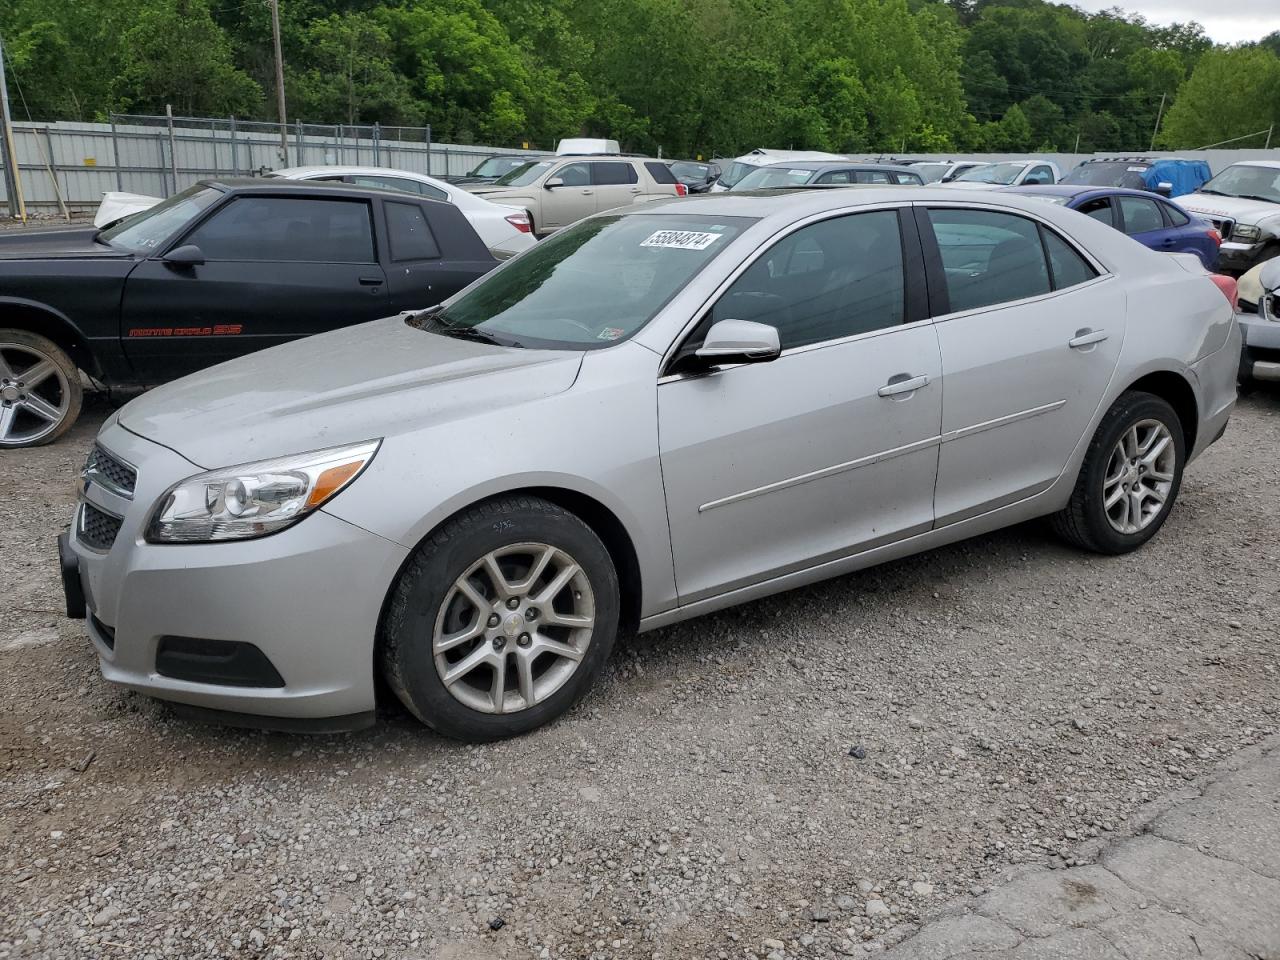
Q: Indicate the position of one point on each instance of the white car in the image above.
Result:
(1243, 202)
(504, 231)
(943, 171)
(1007, 173)
(735, 170)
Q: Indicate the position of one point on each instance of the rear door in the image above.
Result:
(431, 252)
(1140, 218)
(617, 184)
(276, 268)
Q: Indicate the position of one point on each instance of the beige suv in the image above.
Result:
(560, 191)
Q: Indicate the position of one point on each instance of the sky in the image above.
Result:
(1225, 21)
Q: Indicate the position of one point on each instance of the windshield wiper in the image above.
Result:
(432, 320)
(1254, 196)
(1216, 193)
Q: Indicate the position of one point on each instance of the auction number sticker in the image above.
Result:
(681, 240)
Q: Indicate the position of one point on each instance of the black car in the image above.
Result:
(219, 270)
(695, 174)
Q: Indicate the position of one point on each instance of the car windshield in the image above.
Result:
(735, 172)
(524, 174)
(1108, 175)
(1245, 180)
(931, 172)
(688, 170)
(762, 178)
(589, 286)
(144, 232)
(497, 166)
(1004, 173)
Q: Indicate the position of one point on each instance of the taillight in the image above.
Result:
(681, 190)
(1213, 234)
(1228, 287)
(521, 222)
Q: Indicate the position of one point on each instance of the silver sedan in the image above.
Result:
(654, 414)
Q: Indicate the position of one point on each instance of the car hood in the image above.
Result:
(373, 380)
(501, 194)
(1235, 208)
(63, 242)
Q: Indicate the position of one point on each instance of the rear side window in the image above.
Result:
(288, 229)
(989, 257)
(1140, 214)
(660, 172)
(611, 174)
(838, 176)
(411, 236)
(1176, 216)
(1067, 266)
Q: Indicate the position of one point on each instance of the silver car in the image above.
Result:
(655, 414)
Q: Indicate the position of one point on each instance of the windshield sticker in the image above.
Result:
(681, 240)
(610, 333)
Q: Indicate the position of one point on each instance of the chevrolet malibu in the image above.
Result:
(657, 413)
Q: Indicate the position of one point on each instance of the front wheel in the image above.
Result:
(40, 392)
(1130, 477)
(501, 620)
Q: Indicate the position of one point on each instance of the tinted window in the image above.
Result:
(144, 232)
(1140, 214)
(1176, 216)
(989, 257)
(827, 280)
(660, 172)
(610, 174)
(911, 179)
(838, 176)
(411, 237)
(870, 176)
(1069, 268)
(288, 228)
(1099, 209)
(575, 175)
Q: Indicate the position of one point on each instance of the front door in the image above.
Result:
(1030, 340)
(275, 269)
(830, 448)
(572, 200)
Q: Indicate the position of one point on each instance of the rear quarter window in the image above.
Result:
(660, 172)
(410, 234)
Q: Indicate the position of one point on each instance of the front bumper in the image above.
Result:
(1236, 256)
(309, 598)
(1260, 354)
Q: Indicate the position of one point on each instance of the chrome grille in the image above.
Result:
(110, 473)
(97, 528)
(1224, 226)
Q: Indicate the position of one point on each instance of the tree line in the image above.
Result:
(691, 77)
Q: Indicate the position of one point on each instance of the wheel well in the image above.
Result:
(22, 316)
(1174, 390)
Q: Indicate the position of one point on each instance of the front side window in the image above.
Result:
(575, 175)
(410, 234)
(1140, 215)
(870, 176)
(288, 229)
(145, 232)
(828, 280)
(989, 257)
(613, 174)
(590, 285)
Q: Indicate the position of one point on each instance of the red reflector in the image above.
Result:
(1228, 287)
(681, 190)
(521, 222)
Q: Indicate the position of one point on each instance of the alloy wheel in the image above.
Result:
(1139, 476)
(513, 628)
(35, 396)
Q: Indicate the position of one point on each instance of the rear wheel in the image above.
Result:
(40, 392)
(502, 619)
(1129, 479)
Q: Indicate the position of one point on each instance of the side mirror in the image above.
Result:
(553, 182)
(1164, 188)
(739, 341)
(187, 255)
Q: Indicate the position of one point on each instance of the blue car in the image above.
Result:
(1151, 220)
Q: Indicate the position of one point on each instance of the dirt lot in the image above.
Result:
(1005, 699)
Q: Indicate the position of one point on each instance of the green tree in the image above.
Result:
(1230, 94)
(349, 66)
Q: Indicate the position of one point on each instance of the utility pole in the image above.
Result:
(12, 176)
(284, 125)
(1159, 115)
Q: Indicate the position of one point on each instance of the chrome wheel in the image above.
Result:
(1139, 476)
(35, 397)
(513, 628)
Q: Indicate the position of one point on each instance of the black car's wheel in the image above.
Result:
(1130, 477)
(40, 392)
(503, 618)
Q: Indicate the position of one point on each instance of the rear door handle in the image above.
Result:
(371, 281)
(1086, 338)
(902, 383)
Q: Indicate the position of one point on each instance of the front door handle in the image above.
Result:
(586, 193)
(371, 281)
(902, 383)
(1087, 338)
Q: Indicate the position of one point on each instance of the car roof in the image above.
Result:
(825, 165)
(290, 173)
(1273, 164)
(1075, 189)
(278, 185)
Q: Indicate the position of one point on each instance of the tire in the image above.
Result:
(35, 413)
(1086, 521)
(519, 533)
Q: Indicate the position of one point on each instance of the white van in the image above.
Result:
(586, 146)
(735, 170)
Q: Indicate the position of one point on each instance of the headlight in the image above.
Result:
(1246, 233)
(255, 499)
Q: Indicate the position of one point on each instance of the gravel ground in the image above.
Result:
(803, 776)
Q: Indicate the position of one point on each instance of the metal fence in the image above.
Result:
(67, 166)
